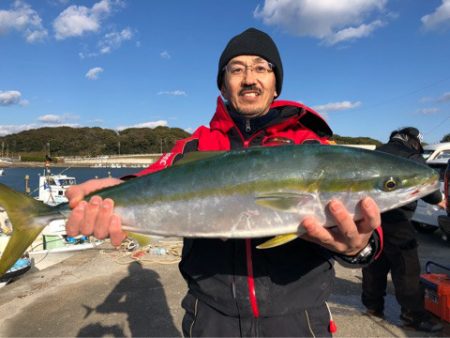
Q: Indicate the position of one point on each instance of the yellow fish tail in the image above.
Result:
(22, 210)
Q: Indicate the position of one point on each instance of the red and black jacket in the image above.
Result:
(296, 124)
(233, 276)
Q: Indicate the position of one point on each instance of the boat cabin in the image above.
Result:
(52, 188)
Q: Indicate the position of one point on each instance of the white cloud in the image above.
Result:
(93, 73)
(97, 121)
(114, 40)
(425, 99)
(152, 125)
(440, 17)
(11, 97)
(173, 93)
(50, 118)
(428, 111)
(445, 97)
(328, 20)
(352, 33)
(79, 20)
(54, 119)
(13, 129)
(35, 36)
(22, 18)
(165, 55)
(58, 2)
(337, 106)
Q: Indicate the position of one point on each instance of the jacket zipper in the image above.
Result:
(248, 241)
(250, 278)
(195, 318)
(248, 127)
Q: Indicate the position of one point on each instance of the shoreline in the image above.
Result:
(61, 165)
(110, 161)
(41, 165)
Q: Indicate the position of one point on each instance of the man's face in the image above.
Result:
(252, 91)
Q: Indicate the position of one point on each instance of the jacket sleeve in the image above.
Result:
(167, 159)
(433, 198)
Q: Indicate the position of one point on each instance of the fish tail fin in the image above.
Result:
(22, 211)
(277, 241)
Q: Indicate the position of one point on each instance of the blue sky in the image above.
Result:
(369, 66)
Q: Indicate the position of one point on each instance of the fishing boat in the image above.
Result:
(52, 187)
(21, 266)
(53, 245)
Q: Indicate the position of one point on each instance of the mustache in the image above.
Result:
(252, 88)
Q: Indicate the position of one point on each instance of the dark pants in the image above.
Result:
(402, 260)
(201, 320)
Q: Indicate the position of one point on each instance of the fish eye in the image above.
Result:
(390, 184)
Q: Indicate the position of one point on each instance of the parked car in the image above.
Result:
(444, 220)
(425, 218)
(437, 151)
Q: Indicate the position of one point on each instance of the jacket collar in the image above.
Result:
(304, 115)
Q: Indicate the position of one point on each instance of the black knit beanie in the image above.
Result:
(252, 42)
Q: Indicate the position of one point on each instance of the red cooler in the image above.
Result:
(437, 291)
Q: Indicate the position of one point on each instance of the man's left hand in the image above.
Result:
(347, 237)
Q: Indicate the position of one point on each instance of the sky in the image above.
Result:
(367, 66)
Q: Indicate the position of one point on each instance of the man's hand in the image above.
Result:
(95, 217)
(347, 237)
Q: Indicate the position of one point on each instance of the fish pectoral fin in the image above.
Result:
(284, 201)
(142, 239)
(277, 241)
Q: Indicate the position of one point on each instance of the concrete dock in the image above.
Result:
(104, 292)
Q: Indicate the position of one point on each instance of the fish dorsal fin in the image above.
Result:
(197, 156)
(283, 201)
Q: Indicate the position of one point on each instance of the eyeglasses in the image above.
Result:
(239, 69)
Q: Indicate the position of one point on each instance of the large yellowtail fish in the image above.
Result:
(256, 192)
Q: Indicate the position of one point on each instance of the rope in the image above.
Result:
(162, 252)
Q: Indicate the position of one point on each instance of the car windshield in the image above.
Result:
(427, 153)
(445, 154)
(68, 181)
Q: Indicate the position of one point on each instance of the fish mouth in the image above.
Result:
(422, 190)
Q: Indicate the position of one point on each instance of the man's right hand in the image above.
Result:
(95, 217)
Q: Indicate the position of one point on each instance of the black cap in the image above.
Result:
(252, 42)
(410, 135)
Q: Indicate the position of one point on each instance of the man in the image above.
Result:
(399, 255)
(234, 288)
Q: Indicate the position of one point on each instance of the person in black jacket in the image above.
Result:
(399, 255)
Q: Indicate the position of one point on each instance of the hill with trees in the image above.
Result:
(354, 140)
(35, 144)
